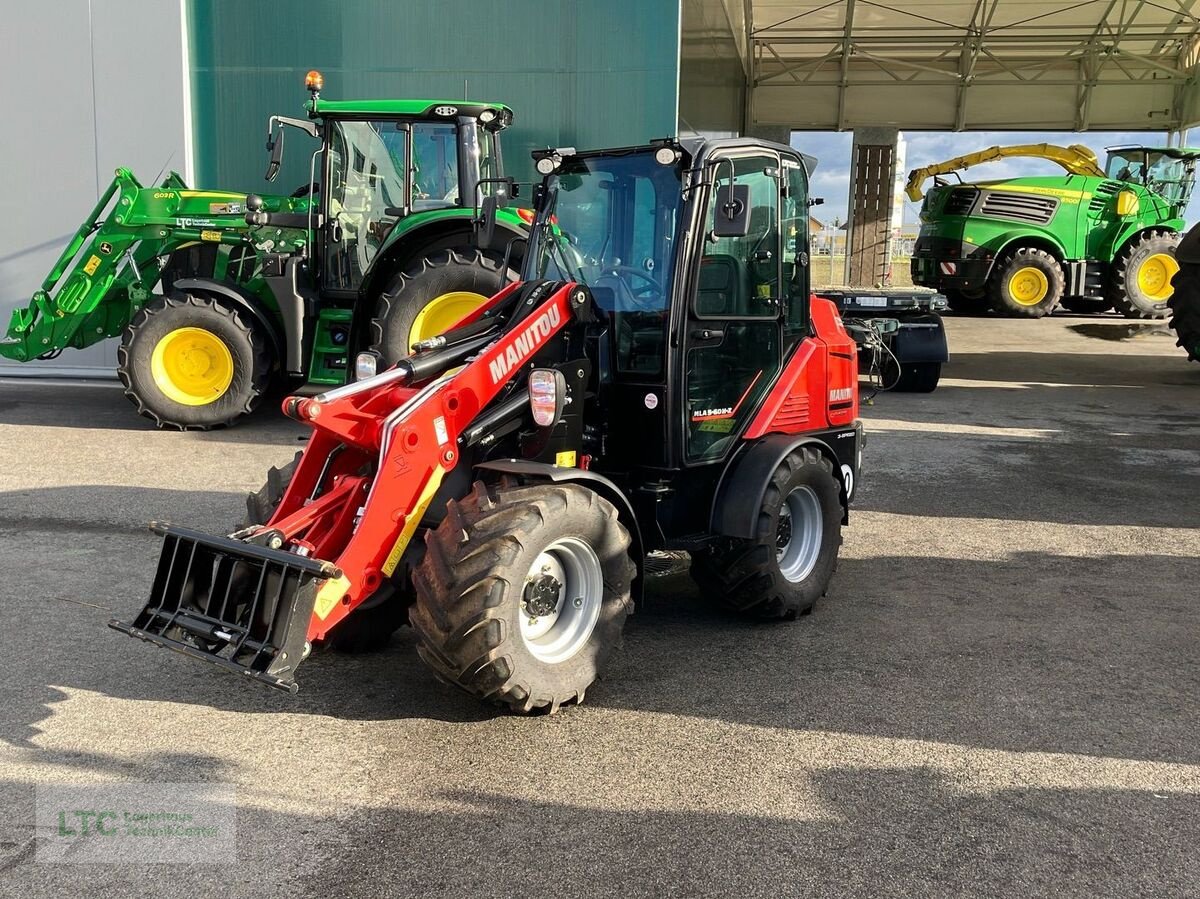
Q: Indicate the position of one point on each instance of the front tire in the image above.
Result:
(430, 297)
(1026, 283)
(787, 566)
(1140, 283)
(523, 593)
(192, 363)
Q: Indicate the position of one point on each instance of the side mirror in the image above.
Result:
(732, 217)
(275, 145)
(486, 223)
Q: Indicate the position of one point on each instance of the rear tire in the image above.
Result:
(371, 625)
(1026, 283)
(782, 572)
(488, 613)
(1185, 309)
(459, 279)
(1139, 285)
(192, 363)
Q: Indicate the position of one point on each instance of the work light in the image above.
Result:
(547, 392)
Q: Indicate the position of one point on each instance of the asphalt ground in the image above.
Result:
(997, 697)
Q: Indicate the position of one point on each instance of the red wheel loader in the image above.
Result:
(662, 379)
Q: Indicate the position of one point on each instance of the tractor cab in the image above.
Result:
(380, 161)
(1169, 172)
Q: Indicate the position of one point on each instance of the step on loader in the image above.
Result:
(661, 379)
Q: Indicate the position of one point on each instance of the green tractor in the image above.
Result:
(1091, 240)
(219, 297)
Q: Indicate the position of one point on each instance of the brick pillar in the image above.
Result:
(872, 179)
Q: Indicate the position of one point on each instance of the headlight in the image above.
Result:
(546, 165)
(488, 115)
(366, 365)
(547, 393)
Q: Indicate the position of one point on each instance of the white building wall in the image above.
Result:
(88, 85)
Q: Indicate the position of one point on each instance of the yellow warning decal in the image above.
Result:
(565, 459)
(410, 526)
(92, 265)
(330, 595)
(210, 235)
(1067, 196)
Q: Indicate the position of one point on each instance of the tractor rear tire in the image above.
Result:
(1139, 285)
(192, 363)
(1185, 309)
(523, 593)
(964, 302)
(441, 288)
(371, 625)
(780, 574)
(1026, 283)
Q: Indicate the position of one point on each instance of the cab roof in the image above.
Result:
(434, 109)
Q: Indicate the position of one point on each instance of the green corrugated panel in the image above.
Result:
(576, 72)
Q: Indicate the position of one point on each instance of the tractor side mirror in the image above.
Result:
(732, 218)
(485, 225)
(275, 146)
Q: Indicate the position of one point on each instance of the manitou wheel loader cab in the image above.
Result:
(661, 379)
(218, 296)
(1092, 239)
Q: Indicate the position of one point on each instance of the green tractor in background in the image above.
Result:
(219, 297)
(1091, 240)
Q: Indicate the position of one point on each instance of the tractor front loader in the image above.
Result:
(134, 237)
(662, 379)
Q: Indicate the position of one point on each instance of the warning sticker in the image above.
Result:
(330, 595)
(439, 428)
(92, 265)
(210, 235)
(565, 459)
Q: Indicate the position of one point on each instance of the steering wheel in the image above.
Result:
(656, 290)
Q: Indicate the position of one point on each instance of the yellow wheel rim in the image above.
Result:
(1154, 276)
(443, 313)
(192, 366)
(1028, 286)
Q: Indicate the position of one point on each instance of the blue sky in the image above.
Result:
(832, 149)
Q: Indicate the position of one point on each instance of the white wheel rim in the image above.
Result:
(558, 635)
(798, 534)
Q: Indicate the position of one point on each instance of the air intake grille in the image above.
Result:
(960, 201)
(1104, 192)
(1036, 210)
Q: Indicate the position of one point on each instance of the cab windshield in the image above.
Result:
(1165, 174)
(609, 222)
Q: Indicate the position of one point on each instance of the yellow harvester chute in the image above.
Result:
(1076, 159)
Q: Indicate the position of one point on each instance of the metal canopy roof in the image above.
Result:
(975, 65)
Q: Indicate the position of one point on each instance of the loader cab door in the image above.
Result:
(734, 332)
